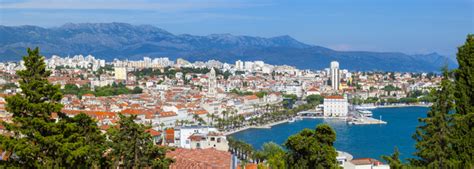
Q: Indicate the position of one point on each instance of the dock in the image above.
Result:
(365, 120)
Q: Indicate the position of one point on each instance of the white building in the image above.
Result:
(335, 76)
(335, 106)
(239, 65)
(120, 73)
(182, 134)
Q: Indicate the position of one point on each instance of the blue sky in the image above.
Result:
(409, 26)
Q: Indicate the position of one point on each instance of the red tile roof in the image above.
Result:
(153, 132)
(366, 161)
(200, 158)
(167, 114)
(200, 112)
(334, 97)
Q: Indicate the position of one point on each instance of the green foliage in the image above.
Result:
(314, 99)
(109, 90)
(261, 94)
(105, 69)
(394, 160)
(241, 93)
(36, 139)
(434, 148)
(446, 137)
(78, 91)
(274, 154)
(84, 137)
(371, 100)
(115, 89)
(293, 97)
(132, 147)
(464, 98)
(242, 150)
(390, 88)
(312, 148)
(408, 100)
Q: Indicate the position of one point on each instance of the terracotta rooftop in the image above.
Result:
(334, 97)
(153, 132)
(200, 159)
(365, 161)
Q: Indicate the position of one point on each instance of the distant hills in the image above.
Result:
(121, 40)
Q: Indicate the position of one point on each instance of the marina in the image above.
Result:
(353, 139)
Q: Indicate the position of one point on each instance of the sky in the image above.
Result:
(409, 26)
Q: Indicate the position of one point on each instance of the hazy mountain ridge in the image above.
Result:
(121, 40)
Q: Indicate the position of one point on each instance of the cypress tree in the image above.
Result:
(464, 118)
(434, 143)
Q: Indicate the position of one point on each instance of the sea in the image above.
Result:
(362, 141)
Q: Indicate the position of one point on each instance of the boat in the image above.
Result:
(291, 120)
(298, 118)
(364, 107)
(365, 113)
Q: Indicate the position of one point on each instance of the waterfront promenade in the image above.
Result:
(265, 126)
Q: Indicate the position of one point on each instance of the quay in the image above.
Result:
(365, 120)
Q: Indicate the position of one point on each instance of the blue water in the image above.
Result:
(359, 140)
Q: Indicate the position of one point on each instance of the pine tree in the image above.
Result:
(394, 160)
(84, 139)
(464, 118)
(36, 139)
(132, 147)
(433, 139)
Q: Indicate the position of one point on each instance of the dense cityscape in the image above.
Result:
(178, 98)
(237, 84)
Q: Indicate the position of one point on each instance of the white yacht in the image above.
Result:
(365, 107)
(365, 113)
(291, 120)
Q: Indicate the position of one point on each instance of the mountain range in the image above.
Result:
(126, 41)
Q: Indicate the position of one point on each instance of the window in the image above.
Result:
(213, 139)
(218, 140)
(198, 145)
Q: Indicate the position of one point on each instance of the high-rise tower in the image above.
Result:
(335, 77)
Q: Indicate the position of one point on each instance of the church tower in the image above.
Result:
(212, 83)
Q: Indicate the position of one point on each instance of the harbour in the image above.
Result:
(354, 139)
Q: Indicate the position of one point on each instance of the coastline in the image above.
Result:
(265, 126)
(403, 105)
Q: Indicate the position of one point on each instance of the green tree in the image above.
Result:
(261, 94)
(274, 155)
(35, 138)
(314, 99)
(312, 148)
(82, 133)
(433, 142)
(464, 98)
(394, 160)
(132, 147)
(137, 90)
